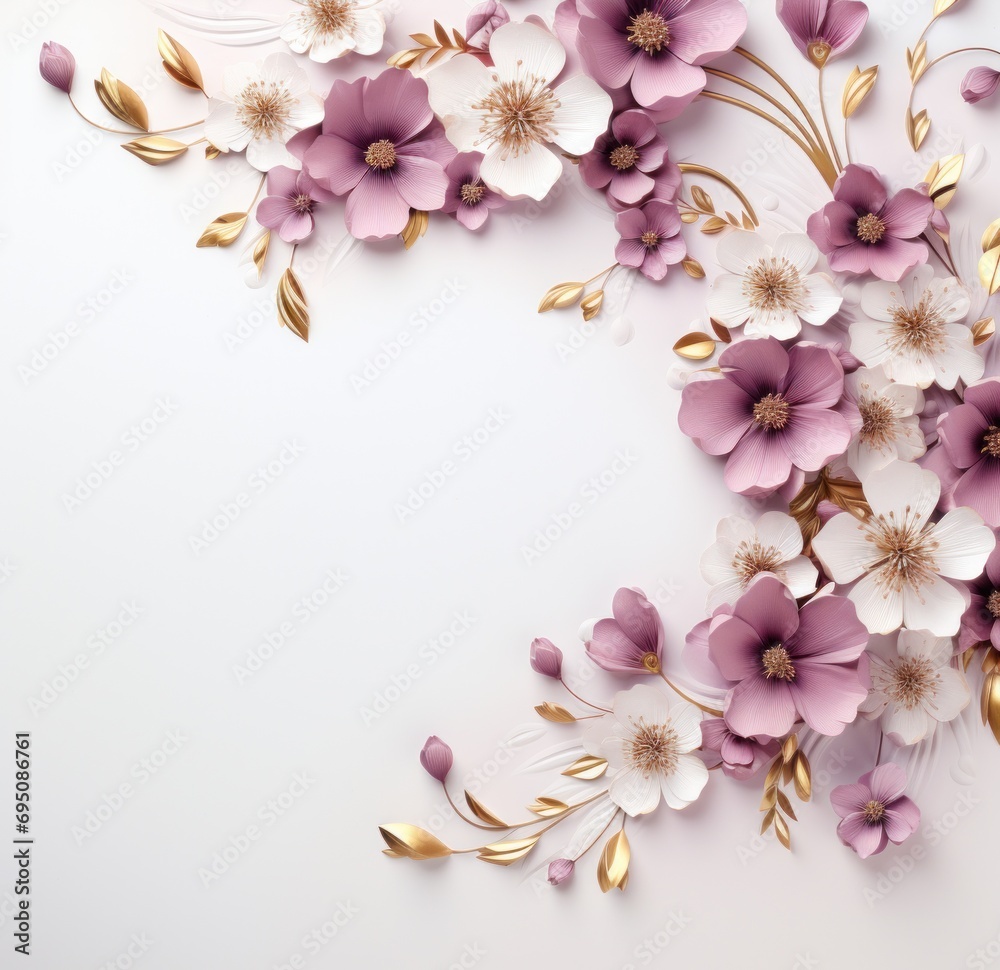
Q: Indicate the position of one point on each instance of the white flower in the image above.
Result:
(261, 107)
(328, 29)
(905, 560)
(742, 550)
(913, 685)
(510, 113)
(890, 422)
(771, 289)
(648, 745)
(918, 338)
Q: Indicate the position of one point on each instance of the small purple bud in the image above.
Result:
(546, 658)
(483, 19)
(560, 871)
(980, 83)
(436, 757)
(57, 65)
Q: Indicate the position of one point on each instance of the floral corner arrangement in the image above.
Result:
(844, 377)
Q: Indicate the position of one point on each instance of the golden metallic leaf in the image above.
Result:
(612, 867)
(695, 346)
(983, 330)
(442, 35)
(393, 854)
(292, 307)
(786, 771)
(843, 493)
(770, 797)
(548, 807)
(786, 805)
(702, 199)
(212, 152)
(768, 821)
(722, 332)
(781, 828)
(943, 177)
(415, 228)
(693, 268)
(507, 852)
(802, 776)
(155, 149)
(941, 6)
(991, 703)
(990, 659)
(790, 746)
(916, 61)
(404, 59)
(774, 772)
(917, 126)
(587, 768)
(122, 101)
(591, 304)
(858, 86)
(260, 252)
(560, 296)
(178, 62)
(991, 236)
(969, 656)
(748, 223)
(413, 842)
(460, 42)
(688, 216)
(989, 270)
(223, 231)
(554, 712)
(483, 813)
(425, 40)
(713, 225)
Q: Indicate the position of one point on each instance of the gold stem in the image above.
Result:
(690, 700)
(603, 272)
(253, 202)
(938, 60)
(947, 260)
(693, 169)
(464, 817)
(137, 132)
(582, 700)
(826, 124)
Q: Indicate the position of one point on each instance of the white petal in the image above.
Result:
(735, 529)
(727, 302)
(582, 115)
(822, 299)
(782, 532)
(237, 76)
(634, 792)
(454, 87)
(936, 606)
(685, 783)
(685, 719)
(267, 153)
(738, 251)
(870, 343)
(798, 249)
(717, 562)
(520, 49)
(800, 575)
(964, 544)
(907, 726)
(951, 696)
(902, 484)
(531, 174)
(952, 299)
(878, 297)
(959, 359)
(863, 459)
(879, 608)
(781, 326)
(224, 129)
(843, 548)
(724, 594)
(641, 702)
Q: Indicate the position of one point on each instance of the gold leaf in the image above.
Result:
(178, 62)
(591, 304)
(459, 38)
(858, 86)
(702, 199)
(969, 656)
(588, 768)
(786, 771)
(941, 6)
(695, 346)
(713, 225)
(212, 152)
(693, 268)
(991, 703)
(983, 330)
(786, 806)
(554, 712)
(413, 842)
(223, 231)
(781, 828)
(790, 747)
(405, 59)
(688, 216)
(155, 149)
(260, 252)
(612, 868)
(483, 813)
(991, 236)
(548, 807)
(768, 820)
(802, 775)
(122, 101)
(916, 61)
(770, 797)
(748, 223)
(415, 228)
(722, 332)
(507, 852)
(917, 126)
(292, 307)
(774, 773)
(442, 35)
(942, 179)
(425, 40)
(989, 270)
(990, 659)
(560, 296)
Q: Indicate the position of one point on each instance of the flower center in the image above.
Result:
(907, 551)
(773, 285)
(517, 114)
(919, 329)
(878, 421)
(652, 748)
(651, 662)
(381, 154)
(330, 17)
(991, 442)
(874, 812)
(819, 51)
(912, 681)
(993, 603)
(870, 229)
(302, 204)
(472, 192)
(649, 31)
(650, 239)
(777, 663)
(752, 558)
(265, 108)
(772, 412)
(624, 157)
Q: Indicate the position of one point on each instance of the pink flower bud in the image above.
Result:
(57, 65)
(980, 83)
(483, 19)
(546, 658)
(436, 757)
(560, 871)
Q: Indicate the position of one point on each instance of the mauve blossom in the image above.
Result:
(874, 811)
(468, 198)
(657, 47)
(970, 434)
(771, 410)
(57, 65)
(981, 621)
(483, 19)
(632, 641)
(980, 83)
(740, 757)
(560, 870)
(436, 757)
(624, 159)
(822, 29)
(382, 147)
(864, 230)
(787, 663)
(291, 199)
(650, 238)
(546, 658)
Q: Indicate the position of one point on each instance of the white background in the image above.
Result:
(703, 891)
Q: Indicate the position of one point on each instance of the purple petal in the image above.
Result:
(609, 56)
(802, 19)
(769, 607)
(375, 210)
(985, 395)
(829, 631)
(758, 465)
(707, 28)
(961, 432)
(336, 162)
(757, 366)
(298, 226)
(815, 377)
(843, 25)
(631, 187)
(847, 799)
(860, 835)
(979, 488)
(902, 820)
(734, 646)
(813, 437)
(421, 182)
(282, 181)
(887, 782)
(860, 186)
(980, 83)
(396, 106)
(630, 252)
(665, 78)
(907, 213)
(826, 695)
(893, 257)
(716, 413)
(345, 112)
(760, 706)
(274, 210)
(639, 619)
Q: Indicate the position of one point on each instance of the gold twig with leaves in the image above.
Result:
(790, 765)
(430, 49)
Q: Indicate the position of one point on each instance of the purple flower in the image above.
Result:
(632, 642)
(875, 811)
(970, 434)
(560, 870)
(291, 199)
(546, 658)
(657, 47)
(788, 663)
(57, 65)
(468, 199)
(771, 411)
(740, 757)
(865, 231)
(436, 757)
(981, 622)
(650, 238)
(625, 158)
(483, 19)
(382, 147)
(980, 83)
(823, 28)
